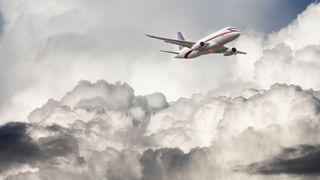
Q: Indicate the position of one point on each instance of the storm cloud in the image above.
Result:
(19, 150)
(303, 160)
(103, 131)
(16, 146)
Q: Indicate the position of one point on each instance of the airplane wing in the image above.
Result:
(240, 52)
(174, 41)
(169, 52)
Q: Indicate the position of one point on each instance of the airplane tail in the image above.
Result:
(180, 37)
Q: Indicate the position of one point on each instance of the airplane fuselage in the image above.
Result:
(216, 42)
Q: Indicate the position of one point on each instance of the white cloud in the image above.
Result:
(90, 134)
(105, 130)
(48, 46)
(288, 56)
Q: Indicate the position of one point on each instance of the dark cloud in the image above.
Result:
(59, 145)
(303, 160)
(203, 137)
(16, 146)
(173, 163)
(160, 163)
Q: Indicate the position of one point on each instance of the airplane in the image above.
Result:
(214, 43)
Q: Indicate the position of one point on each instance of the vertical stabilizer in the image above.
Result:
(181, 38)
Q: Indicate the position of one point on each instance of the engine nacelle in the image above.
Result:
(230, 51)
(199, 45)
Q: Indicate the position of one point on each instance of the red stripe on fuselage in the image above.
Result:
(231, 31)
(187, 54)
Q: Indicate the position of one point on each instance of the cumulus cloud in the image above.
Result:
(21, 153)
(288, 56)
(16, 145)
(255, 126)
(103, 131)
(48, 46)
(296, 160)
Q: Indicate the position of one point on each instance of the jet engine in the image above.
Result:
(230, 51)
(199, 45)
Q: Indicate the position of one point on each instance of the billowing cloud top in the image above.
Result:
(103, 131)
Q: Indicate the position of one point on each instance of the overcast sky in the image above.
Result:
(48, 46)
(257, 117)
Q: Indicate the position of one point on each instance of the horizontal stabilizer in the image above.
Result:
(169, 52)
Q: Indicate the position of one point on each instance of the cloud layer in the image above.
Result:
(288, 56)
(103, 131)
(255, 126)
(48, 46)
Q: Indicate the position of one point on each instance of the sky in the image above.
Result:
(84, 94)
(49, 46)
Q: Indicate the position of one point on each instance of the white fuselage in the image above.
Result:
(215, 41)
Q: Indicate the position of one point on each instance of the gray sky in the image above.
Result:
(48, 46)
(260, 119)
